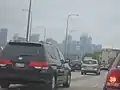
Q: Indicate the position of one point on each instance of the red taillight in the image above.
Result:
(113, 78)
(4, 62)
(38, 64)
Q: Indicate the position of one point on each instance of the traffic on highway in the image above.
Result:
(59, 45)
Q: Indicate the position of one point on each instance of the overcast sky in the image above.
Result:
(99, 18)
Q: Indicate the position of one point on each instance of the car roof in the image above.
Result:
(91, 59)
(30, 43)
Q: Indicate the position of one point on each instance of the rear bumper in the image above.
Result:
(90, 71)
(25, 76)
(110, 88)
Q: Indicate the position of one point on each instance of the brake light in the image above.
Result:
(4, 62)
(38, 64)
(113, 78)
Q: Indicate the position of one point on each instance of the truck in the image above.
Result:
(108, 57)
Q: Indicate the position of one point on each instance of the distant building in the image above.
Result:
(34, 37)
(96, 48)
(21, 39)
(109, 53)
(3, 36)
(16, 37)
(85, 44)
(52, 41)
(75, 47)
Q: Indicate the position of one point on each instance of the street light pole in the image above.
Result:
(28, 24)
(66, 37)
(44, 34)
(67, 28)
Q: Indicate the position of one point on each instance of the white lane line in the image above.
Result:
(96, 85)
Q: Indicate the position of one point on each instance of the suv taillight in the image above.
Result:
(113, 78)
(4, 62)
(38, 64)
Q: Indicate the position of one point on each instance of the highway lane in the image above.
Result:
(79, 82)
(90, 82)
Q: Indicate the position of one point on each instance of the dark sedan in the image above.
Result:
(75, 65)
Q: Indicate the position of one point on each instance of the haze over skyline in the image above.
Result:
(99, 18)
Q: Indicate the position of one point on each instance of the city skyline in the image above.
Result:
(98, 19)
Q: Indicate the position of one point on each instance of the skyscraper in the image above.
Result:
(3, 36)
(85, 44)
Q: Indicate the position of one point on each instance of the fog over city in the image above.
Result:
(99, 18)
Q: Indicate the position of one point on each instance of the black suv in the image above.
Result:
(36, 63)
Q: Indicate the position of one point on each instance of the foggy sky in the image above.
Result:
(99, 18)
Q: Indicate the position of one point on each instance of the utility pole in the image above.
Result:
(66, 37)
(28, 24)
(44, 34)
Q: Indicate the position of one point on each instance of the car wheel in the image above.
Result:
(68, 81)
(5, 85)
(53, 84)
(97, 73)
(82, 73)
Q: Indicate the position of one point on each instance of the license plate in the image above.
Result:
(20, 65)
(89, 68)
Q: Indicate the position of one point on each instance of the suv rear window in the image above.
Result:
(13, 50)
(90, 62)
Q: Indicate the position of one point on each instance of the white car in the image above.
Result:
(90, 66)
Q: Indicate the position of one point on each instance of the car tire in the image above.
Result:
(82, 73)
(68, 81)
(54, 83)
(97, 73)
(5, 85)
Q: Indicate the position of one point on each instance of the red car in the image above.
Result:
(113, 77)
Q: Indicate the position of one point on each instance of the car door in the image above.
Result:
(61, 66)
(65, 66)
(54, 61)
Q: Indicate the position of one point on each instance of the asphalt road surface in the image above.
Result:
(79, 82)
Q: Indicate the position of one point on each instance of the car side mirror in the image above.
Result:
(62, 61)
(67, 61)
